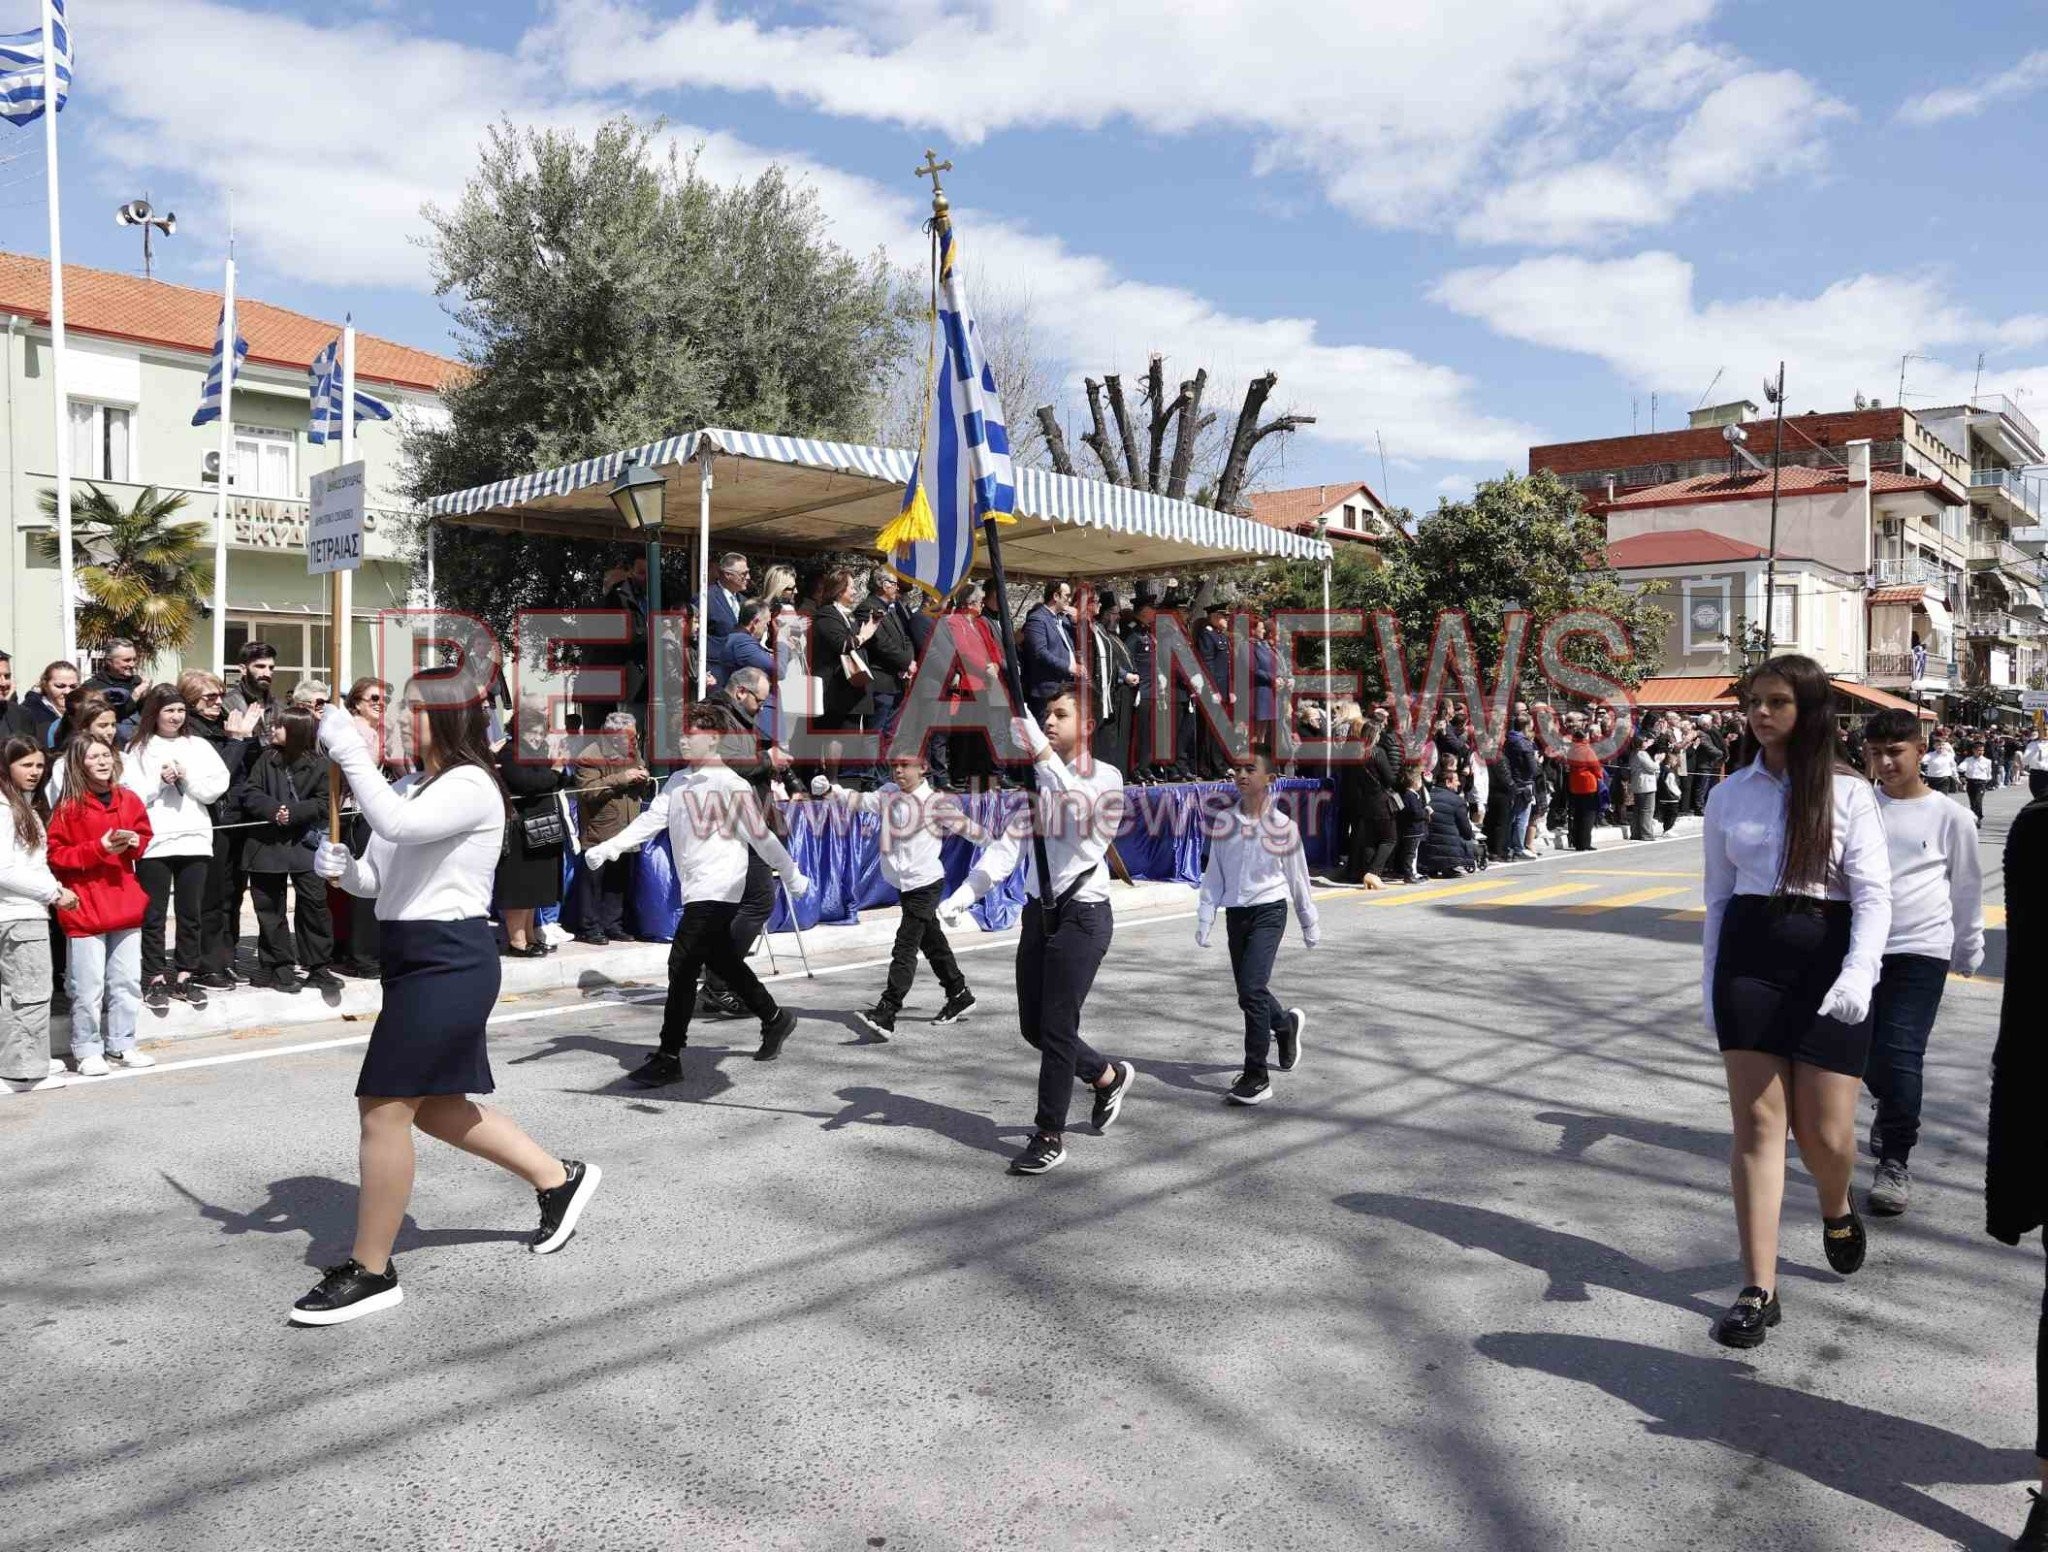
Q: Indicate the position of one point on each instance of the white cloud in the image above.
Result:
(1961, 102)
(1641, 316)
(333, 197)
(1408, 116)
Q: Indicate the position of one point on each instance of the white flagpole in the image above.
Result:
(344, 624)
(227, 467)
(66, 582)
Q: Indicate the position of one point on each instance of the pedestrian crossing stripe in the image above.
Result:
(1631, 873)
(1413, 896)
(1531, 896)
(1692, 913)
(1621, 902)
(1994, 916)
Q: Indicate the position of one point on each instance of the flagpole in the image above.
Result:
(227, 465)
(341, 645)
(66, 580)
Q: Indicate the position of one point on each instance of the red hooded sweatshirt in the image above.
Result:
(110, 897)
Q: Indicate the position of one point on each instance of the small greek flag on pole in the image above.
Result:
(963, 469)
(21, 68)
(209, 396)
(325, 377)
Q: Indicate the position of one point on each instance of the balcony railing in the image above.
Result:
(1994, 627)
(1899, 665)
(2017, 488)
(1998, 552)
(1999, 404)
(1907, 571)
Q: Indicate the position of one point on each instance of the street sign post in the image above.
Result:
(334, 547)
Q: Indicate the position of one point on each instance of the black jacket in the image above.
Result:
(301, 789)
(840, 700)
(17, 721)
(235, 754)
(123, 693)
(2016, 1158)
(889, 651)
(1449, 846)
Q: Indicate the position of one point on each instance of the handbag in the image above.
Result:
(546, 827)
(855, 668)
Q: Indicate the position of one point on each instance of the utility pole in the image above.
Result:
(1776, 394)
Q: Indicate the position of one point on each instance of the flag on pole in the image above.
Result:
(326, 390)
(209, 396)
(963, 471)
(21, 69)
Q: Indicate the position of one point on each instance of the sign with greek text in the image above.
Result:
(334, 520)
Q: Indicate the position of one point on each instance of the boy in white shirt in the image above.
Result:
(916, 818)
(1977, 774)
(712, 817)
(1256, 867)
(1937, 924)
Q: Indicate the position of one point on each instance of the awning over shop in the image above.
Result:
(797, 493)
(1877, 700)
(1939, 617)
(1703, 692)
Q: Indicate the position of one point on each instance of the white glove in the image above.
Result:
(954, 906)
(1201, 934)
(797, 885)
(1970, 963)
(597, 856)
(820, 786)
(1848, 1003)
(1029, 735)
(339, 735)
(331, 860)
(1311, 939)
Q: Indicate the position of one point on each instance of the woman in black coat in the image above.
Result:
(2016, 1162)
(1366, 804)
(530, 873)
(1450, 847)
(284, 794)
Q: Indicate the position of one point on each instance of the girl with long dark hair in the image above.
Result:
(28, 890)
(177, 775)
(429, 866)
(1798, 890)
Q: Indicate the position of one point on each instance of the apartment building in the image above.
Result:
(137, 353)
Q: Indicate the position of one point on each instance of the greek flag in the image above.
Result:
(325, 377)
(963, 471)
(209, 396)
(21, 69)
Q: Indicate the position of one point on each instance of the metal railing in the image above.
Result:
(1907, 571)
(1899, 665)
(1998, 552)
(2021, 491)
(2000, 627)
(1999, 404)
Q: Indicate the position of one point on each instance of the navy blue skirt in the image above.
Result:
(1778, 956)
(440, 984)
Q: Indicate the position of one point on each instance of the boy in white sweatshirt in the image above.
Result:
(1256, 868)
(1937, 925)
(712, 818)
(915, 820)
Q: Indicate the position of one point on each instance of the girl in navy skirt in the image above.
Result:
(1798, 887)
(430, 863)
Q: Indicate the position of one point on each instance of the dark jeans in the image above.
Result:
(704, 941)
(756, 905)
(313, 941)
(1976, 791)
(1254, 933)
(1054, 973)
(1406, 849)
(160, 877)
(1584, 807)
(601, 898)
(918, 931)
(1908, 996)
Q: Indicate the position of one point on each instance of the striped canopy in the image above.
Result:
(799, 493)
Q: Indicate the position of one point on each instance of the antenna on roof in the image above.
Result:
(1710, 388)
(1386, 490)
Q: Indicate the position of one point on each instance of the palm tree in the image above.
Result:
(143, 576)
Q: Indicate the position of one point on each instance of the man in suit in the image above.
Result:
(1112, 680)
(745, 645)
(889, 651)
(728, 592)
(1212, 650)
(1046, 646)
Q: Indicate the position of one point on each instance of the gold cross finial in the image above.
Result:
(933, 167)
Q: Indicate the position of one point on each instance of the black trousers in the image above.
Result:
(312, 941)
(1055, 971)
(704, 940)
(161, 876)
(601, 898)
(237, 886)
(365, 940)
(1976, 791)
(919, 932)
(756, 905)
(220, 924)
(1584, 807)
(1254, 933)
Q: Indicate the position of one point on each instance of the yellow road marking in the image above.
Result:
(1994, 916)
(1694, 913)
(1636, 897)
(1630, 873)
(1531, 896)
(1412, 895)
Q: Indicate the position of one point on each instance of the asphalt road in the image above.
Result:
(1451, 1288)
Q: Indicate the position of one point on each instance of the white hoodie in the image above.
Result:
(179, 823)
(27, 887)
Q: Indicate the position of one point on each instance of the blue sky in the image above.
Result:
(1453, 228)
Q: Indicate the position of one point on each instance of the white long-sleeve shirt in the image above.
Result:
(1937, 879)
(179, 824)
(1745, 850)
(914, 829)
(1079, 816)
(27, 887)
(1976, 767)
(712, 817)
(1938, 764)
(434, 848)
(2035, 756)
(1255, 861)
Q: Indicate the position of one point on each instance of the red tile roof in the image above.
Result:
(155, 312)
(1751, 485)
(1897, 595)
(1687, 691)
(1298, 509)
(1680, 547)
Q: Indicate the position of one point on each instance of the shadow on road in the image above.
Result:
(1578, 1134)
(882, 1107)
(324, 1210)
(1721, 1401)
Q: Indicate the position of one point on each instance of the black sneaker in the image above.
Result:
(1040, 1154)
(660, 1068)
(561, 1207)
(1289, 1040)
(2035, 1537)
(157, 997)
(957, 1007)
(773, 1033)
(190, 989)
(1748, 1319)
(347, 1292)
(214, 981)
(323, 979)
(1109, 1102)
(285, 980)
(879, 1021)
(1842, 1239)
(1250, 1089)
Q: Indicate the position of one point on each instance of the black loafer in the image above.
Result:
(1749, 1318)
(2035, 1537)
(1843, 1240)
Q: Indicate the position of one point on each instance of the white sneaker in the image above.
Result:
(93, 1067)
(57, 1067)
(31, 1085)
(135, 1058)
